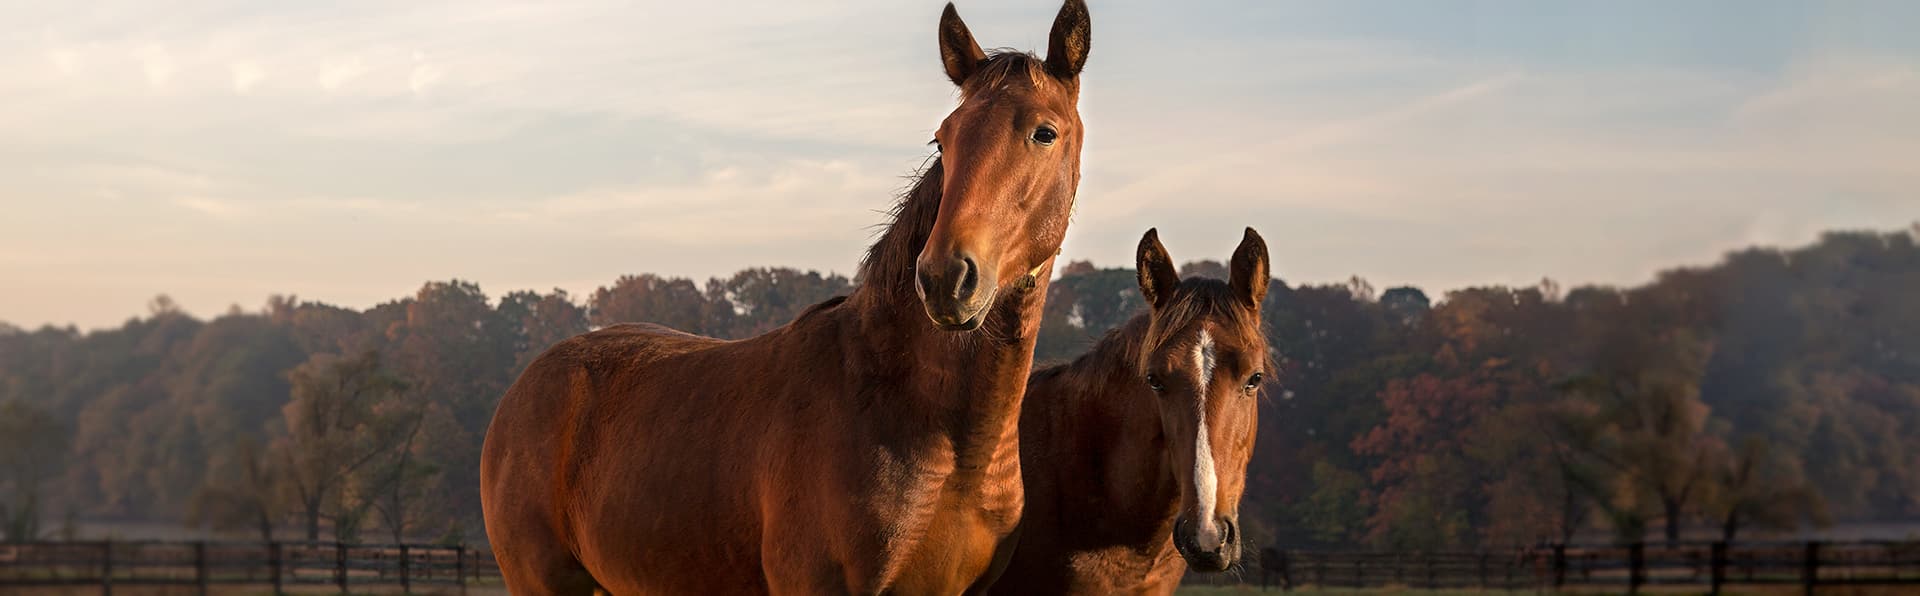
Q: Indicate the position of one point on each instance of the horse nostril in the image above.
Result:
(1227, 531)
(925, 279)
(969, 278)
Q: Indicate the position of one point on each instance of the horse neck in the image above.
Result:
(967, 383)
(1105, 385)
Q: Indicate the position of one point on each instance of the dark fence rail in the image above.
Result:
(279, 564)
(1615, 567)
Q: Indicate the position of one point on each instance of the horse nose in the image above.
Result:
(950, 287)
(1207, 557)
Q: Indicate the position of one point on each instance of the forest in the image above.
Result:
(1773, 391)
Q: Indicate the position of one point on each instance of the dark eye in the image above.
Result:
(1253, 382)
(1045, 135)
(1153, 381)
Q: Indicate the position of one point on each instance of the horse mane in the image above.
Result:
(1197, 298)
(1123, 347)
(888, 265)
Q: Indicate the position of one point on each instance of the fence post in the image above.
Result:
(1559, 566)
(1529, 561)
(340, 565)
(1637, 559)
(200, 566)
(1483, 570)
(1430, 579)
(460, 567)
(406, 581)
(106, 568)
(1286, 570)
(1810, 570)
(274, 558)
(1719, 564)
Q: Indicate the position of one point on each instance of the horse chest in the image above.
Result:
(944, 523)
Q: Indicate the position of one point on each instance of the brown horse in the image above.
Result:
(860, 448)
(1138, 450)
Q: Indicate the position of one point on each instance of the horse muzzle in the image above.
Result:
(1205, 557)
(955, 290)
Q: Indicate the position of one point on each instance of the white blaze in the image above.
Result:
(1205, 483)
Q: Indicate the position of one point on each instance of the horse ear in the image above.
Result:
(1157, 275)
(1072, 36)
(958, 51)
(1249, 269)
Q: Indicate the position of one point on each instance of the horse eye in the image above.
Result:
(1154, 382)
(1253, 381)
(1045, 135)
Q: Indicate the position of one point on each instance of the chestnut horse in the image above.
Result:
(870, 445)
(1138, 450)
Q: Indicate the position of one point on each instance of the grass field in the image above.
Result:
(1253, 590)
(1186, 591)
(1663, 591)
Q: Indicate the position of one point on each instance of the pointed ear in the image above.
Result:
(958, 51)
(1157, 275)
(1249, 269)
(1072, 36)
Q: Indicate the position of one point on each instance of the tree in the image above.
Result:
(396, 486)
(647, 298)
(1424, 484)
(1082, 305)
(334, 427)
(1407, 303)
(245, 491)
(1207, 268)
(1654, 427)
(1757, 486)
(33, 447)
(456, 350)
(757, 300)
(544, 320)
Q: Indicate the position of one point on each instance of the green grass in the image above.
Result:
(1652, 591)
(1315, 591)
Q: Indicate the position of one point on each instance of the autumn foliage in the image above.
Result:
(1774, 390)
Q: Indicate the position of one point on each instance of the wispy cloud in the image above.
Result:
(542, 144)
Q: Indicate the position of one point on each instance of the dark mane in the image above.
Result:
(888, 266)
(1001, 65)
(1195, 298)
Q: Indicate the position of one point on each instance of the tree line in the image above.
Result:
(1774, 390)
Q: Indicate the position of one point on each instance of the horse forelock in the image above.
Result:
(1193, 300)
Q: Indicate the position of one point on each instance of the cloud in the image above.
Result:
(216, 208)
(425, 75)
(535, 143)
(337, 73)
(156, 63)
(246, 75)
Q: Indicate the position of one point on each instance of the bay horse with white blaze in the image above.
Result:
(861, 448)
(1135, 454)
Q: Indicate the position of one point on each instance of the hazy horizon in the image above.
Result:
(221, 153)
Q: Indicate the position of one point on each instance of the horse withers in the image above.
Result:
(1135, 454)
(868, 446)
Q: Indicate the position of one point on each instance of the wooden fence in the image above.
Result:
(279, 564)
(1612, 568)
(1625, 567)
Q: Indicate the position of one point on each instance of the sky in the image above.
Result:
(347, 152)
